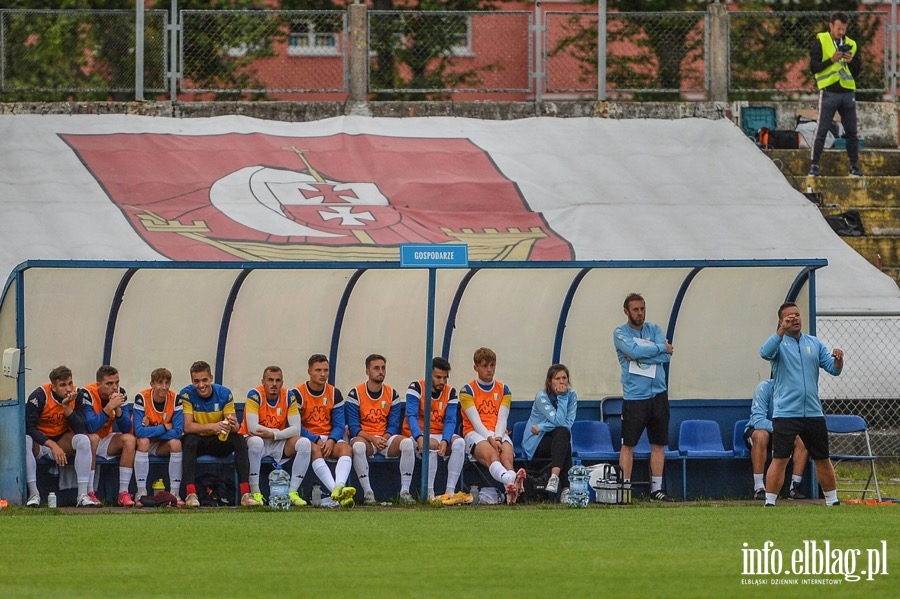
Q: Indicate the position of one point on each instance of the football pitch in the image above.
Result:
(645, 550)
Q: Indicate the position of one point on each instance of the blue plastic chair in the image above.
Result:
(739, 448)
(642, 449)
(852, 426)
(517, 435)
(591, 440)
(699, 439)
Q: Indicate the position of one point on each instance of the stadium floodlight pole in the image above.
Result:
(139, 51)
(601, 50)
(426, 392)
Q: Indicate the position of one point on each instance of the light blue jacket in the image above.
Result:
(546, 418)
(635, 386)
(795, 368)
(761, 408)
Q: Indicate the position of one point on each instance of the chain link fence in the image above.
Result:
(869, 385)
(435, 53)
(769, 51)
(263, 51)
(647, 52)
(450, 52)
(73, 51)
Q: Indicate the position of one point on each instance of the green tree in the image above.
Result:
(413, 48)
(88, 54)
(764, 50)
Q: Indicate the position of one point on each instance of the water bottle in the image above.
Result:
(51, 500)
(159, 486)
(473, 491)
(626, 492)
(578, 485)
(279, 483)
(317, 496)
(615, 491)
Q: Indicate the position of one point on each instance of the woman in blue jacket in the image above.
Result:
(548, 433)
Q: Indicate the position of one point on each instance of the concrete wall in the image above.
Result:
(878, 121)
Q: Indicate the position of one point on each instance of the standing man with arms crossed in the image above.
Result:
(375, 415)
(443, 441)
(208, 413)
(796, 358)
(643, 350)
(102, 409)
(485, 405)
(272, 428)
(322, 416)
(54, 426)
(834, 60)
(158, 426)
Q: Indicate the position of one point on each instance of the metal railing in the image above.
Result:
(431, 54)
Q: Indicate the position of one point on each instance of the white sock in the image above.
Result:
(831, 497)
(30, 466)
(124, 478)
(497, 471)
(254, 454)
(301, 463)
(407, 463)
(771, 497)
(342, 470)
(175, 462)
(758, 481)
(655, 484)
(361, 465)
(455, 464)
(321, 469)
(141, 471)
(432, 470)
(91, 487)
(796, 479)
(82, 446)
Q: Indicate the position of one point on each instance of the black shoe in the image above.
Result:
(838, 502)
(855, 171)
(795, 492)
(661, 496)
(767, 504)
(760, 494)
(814, 170)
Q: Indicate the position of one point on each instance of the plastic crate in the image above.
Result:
(754, 118)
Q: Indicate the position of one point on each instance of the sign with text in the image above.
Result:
(450, 255)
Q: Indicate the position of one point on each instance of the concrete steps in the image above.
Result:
(876, 196)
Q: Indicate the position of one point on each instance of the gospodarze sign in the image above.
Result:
(434, 255)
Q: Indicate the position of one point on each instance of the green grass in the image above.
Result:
(526, 551)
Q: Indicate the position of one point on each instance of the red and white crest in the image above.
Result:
(340, 197)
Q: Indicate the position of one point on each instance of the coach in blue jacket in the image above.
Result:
(796, 358)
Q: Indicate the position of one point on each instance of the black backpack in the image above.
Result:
(215, 491)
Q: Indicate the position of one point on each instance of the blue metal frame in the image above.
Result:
(339, 322)
(807, 274)
(226, 323)
(114, 314)
(454, 310)
(564, 313)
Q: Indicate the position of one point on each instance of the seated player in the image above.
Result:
(158, 426)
